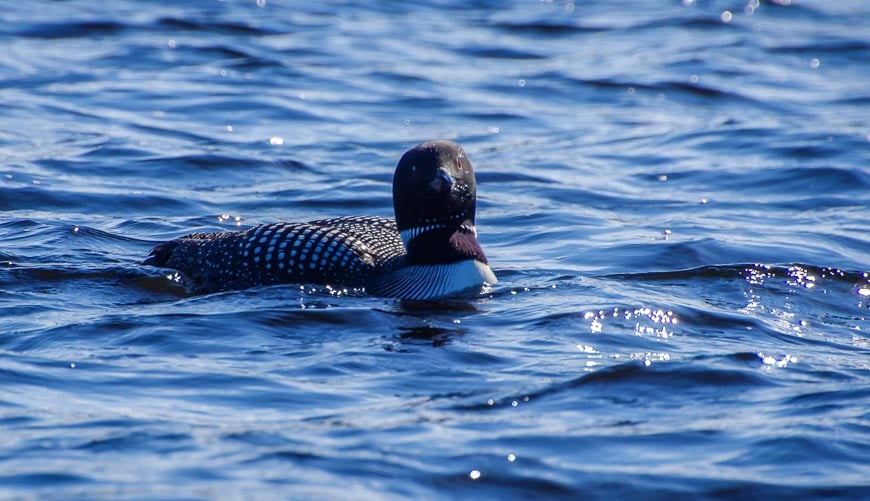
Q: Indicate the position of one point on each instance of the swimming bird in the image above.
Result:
(430, 250)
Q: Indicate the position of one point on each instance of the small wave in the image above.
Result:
(500, 53)
(212, 25)
(46, 480)
(732, 271)
(75, 29)
(545, 28)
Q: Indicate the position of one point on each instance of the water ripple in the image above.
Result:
(674, 198)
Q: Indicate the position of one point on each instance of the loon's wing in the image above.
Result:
(378, 234)
(339, 251)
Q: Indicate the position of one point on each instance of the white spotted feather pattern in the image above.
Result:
(342, 250)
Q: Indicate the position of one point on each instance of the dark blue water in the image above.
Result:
(674, 195)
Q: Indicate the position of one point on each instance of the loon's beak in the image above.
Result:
(441, 185)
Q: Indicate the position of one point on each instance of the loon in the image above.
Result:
(429, 251)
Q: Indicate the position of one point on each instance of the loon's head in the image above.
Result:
(434, 188)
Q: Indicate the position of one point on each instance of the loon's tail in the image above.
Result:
(159, 256)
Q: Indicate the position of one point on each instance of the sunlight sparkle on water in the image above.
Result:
(648, 321)
(801, 277)
(649, 357)
(226, 217)
(751, 7)
(772, 361)
(595, 326)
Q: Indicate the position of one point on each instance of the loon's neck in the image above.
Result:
(440, 243)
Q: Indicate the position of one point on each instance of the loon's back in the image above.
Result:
(429, 251)
(342, 251)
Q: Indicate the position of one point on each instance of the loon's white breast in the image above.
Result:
(434, 281)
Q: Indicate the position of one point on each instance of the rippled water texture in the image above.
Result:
(674, 195)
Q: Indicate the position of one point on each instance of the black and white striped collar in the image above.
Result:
(411, 233)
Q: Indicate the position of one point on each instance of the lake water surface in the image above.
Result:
(674, 195)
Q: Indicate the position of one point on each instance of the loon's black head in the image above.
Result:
(434, 187)
(435, 198)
